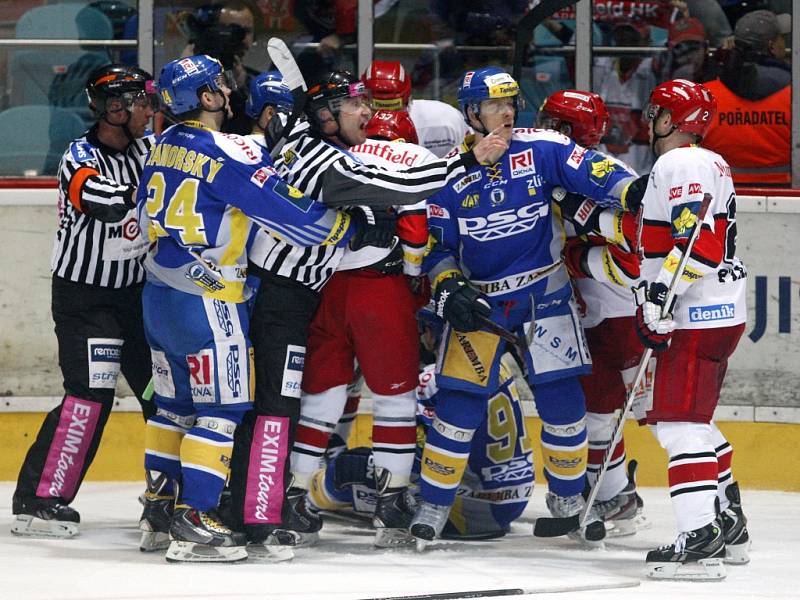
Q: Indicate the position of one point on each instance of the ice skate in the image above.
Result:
(301, 521)
(277, 546)
(44, 518)
(622, 514)
(428, 523)
(592, 533)
(199, 536)
(155, 520)
(734, 526)
(695, 556)
(393, 513)
(157, 514)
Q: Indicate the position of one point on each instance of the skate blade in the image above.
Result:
(153, 541)
(421, 544)
(269, 553)
(30, 526)
(301, 539)
(386, 537)
(193, 552)
(706, 569)
(738, 554)
(621, 527)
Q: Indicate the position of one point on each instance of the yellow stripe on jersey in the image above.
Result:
(610, 269)
(340, 227)
(469, 356)
(442, 469)
(565, 462)
(239, 231)
(690, 274)
(207, 455)
(163, 440)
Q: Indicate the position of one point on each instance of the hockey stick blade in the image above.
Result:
(555, 526)
(282, 58)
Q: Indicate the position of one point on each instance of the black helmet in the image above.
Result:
(118, 81)
(329, 91)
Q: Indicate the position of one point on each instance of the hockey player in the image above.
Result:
(604, 266)
(315, 159)
(440, 126)
(199, 188)
(497, 483)
(97, 286)
(268, 97)
(694, 343)
(366, 305)
(497, 256)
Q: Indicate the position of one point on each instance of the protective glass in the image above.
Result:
(352, 105)
(141, 100)
(498, 106)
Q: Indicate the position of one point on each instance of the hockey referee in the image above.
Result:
(96, 297)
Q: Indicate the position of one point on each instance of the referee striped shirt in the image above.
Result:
(332, 175)
(98, 240)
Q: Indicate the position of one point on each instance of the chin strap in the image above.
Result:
(123, 126)
(657, 136)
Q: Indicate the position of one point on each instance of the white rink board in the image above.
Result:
(104, 563)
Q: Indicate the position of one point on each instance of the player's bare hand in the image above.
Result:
(491, 148)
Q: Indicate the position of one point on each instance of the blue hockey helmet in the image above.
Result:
(268, 89)
(485, 84)
(182, 80)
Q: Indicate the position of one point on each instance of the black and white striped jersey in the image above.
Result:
(99, 241)
(334, 176)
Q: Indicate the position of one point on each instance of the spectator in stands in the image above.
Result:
(754, 102)
(713, 18)
(624, 82)
(687, 54)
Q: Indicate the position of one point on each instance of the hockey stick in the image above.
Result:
(282, 59)
(557, 526)
(514, 591)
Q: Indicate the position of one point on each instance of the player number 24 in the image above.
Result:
(181, 214)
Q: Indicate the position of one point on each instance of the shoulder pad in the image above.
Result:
(239, 148)
(81, 151)
(531, 134)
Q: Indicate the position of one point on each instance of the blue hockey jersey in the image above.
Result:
(200, 193)
(495, 224)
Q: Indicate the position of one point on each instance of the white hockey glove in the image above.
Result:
(653, 330)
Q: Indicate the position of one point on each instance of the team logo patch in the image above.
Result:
(522, 164)
(713, 312)
(293, 195)
(683, 218)
(601, 170)
(498, 196)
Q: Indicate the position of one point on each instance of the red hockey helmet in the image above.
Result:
(691, 105)
(392, 125)
(389, 83)
(585, 112)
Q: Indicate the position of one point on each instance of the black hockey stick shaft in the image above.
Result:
(509, 336)
(557, 526)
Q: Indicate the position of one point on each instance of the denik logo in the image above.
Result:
(106, 352)
(296, 361)
(713, 312)
(522, 164)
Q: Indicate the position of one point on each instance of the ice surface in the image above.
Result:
(104, 562)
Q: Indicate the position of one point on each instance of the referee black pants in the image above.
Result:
(100, 333)
(279, 324)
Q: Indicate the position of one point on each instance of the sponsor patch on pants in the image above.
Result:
(163, 384)
(105, 355)
(293, 371)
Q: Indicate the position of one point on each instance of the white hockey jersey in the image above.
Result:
(440, 127)
(712, 291)
(412, 229)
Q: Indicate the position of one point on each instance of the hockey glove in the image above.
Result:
(460, 304)
(374, 227)
(579, 210)
(633, 194)
(653, 330)
(576, 257)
